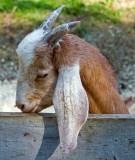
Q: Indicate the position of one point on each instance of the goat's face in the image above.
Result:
(36, 78)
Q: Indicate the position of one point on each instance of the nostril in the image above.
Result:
(22, 107)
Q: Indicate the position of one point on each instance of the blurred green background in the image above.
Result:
(107, 24)
(35, 10)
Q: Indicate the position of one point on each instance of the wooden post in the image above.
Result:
(36, 137)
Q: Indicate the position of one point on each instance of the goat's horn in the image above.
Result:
(47, 24)
(58, 32)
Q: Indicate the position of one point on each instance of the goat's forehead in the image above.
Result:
(29, 43)
(29, 63)
(27, 46)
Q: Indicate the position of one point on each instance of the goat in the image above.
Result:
(64, 70)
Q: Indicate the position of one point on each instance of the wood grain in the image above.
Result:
(36, 137)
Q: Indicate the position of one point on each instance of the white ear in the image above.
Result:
(71, 106)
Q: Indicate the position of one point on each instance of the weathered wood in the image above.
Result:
(35, 136)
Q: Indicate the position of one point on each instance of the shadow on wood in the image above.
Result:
(50, 140)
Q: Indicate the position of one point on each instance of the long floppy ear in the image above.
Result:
(71, 106)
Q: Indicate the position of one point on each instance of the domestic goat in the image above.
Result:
(62, 69)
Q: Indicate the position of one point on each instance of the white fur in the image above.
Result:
(71, 106)
(27, 46)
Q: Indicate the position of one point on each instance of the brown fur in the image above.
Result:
(96, 74)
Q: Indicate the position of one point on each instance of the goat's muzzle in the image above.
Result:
(25, 109)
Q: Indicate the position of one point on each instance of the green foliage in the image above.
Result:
(97, 10)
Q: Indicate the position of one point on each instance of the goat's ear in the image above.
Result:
(71, 106)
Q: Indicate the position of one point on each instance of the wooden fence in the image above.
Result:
(36, 137)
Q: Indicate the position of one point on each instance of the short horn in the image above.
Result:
(58, 32)
(49, 21)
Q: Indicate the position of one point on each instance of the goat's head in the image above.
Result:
(37, 88)
(37, 76)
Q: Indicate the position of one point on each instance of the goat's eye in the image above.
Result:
(42, 75)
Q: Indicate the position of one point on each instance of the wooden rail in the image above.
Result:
(35, 137)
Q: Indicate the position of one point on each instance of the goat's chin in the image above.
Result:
(40, 108)
(44, 104)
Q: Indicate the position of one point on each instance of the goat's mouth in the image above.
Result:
(29, 107)
(29, 110)
(32, 109)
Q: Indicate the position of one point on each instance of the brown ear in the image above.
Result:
(71, 106)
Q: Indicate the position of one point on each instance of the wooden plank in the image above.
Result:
(35, 136)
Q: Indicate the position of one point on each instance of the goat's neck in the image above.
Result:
(96, 74)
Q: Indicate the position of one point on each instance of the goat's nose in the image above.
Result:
(20, 105)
